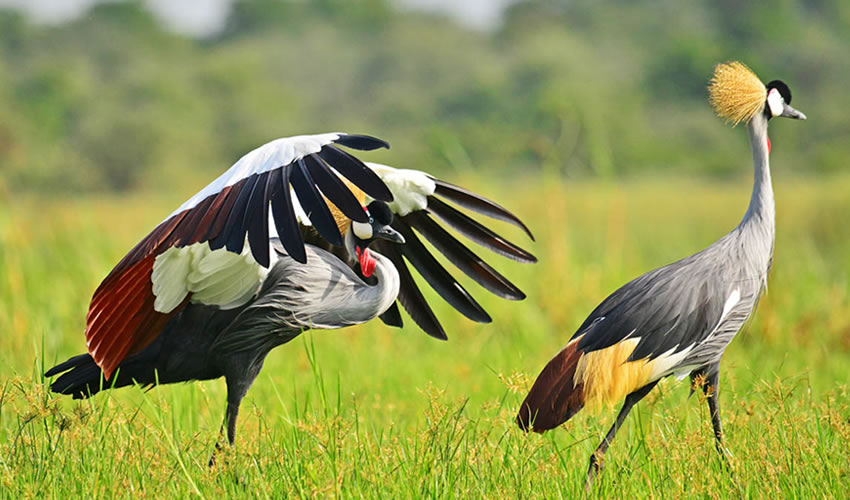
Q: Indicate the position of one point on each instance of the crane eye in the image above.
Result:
(362, 230)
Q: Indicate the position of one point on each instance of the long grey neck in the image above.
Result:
(760, 215)
(388, 282)
(380, 297)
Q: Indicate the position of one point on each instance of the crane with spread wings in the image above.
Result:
(298, 234)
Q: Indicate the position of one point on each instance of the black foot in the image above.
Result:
(211, 463)
(593, 472)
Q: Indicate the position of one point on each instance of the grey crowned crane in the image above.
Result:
(676, 320)
(327, 240)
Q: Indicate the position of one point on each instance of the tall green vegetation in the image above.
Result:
(113, 101)
(377, 412)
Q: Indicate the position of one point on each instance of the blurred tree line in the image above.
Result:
(114, 101)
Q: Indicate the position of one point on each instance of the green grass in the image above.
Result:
(384, 413)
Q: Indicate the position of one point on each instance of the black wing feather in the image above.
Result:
(284, 218)
(409, 295)
(463, 258)
(313, 204)
(392, 316)
(233, 234)
(334, 189)
(209, 233)
(436, 275)
(477, 203)
(361, 142)
(355, 171)
(257, 220)
(477, 232)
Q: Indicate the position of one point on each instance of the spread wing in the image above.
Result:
(419, 202)
(198, 252)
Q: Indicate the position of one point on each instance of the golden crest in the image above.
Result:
(736, 93)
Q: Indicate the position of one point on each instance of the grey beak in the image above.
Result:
(789, 112)
(389, 234)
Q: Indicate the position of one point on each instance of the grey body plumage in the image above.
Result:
(324, 293)
(680, 318)
(698, 304)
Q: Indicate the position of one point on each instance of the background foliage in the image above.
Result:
(113, 101)
(375, 412)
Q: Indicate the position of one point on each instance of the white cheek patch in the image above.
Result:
(361, 230)
(775, 101)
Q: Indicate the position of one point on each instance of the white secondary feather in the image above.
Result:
(668, 363)
(213, 277)
(731, 302)
(410, 188)
(266, 157)
(170, 270)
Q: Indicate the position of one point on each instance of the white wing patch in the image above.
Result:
(266, 157)
(683, 371)
(219, 278)
(731, 302)
(668, 363)
(170, 270)
(410, 188)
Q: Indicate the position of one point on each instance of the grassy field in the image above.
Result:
(376, 412)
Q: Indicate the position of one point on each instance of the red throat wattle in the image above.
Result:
(367, 262)
(768, 144)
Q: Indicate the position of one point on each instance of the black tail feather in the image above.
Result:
(81, 377)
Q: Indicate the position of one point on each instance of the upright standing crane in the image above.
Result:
(297, 235)
(676, 320)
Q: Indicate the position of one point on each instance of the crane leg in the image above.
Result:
(229, 423)
(238, 384)
(710, 389)
(596, 458)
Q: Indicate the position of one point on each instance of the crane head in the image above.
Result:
(362, 234)
(737, 95)
(779, 102)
